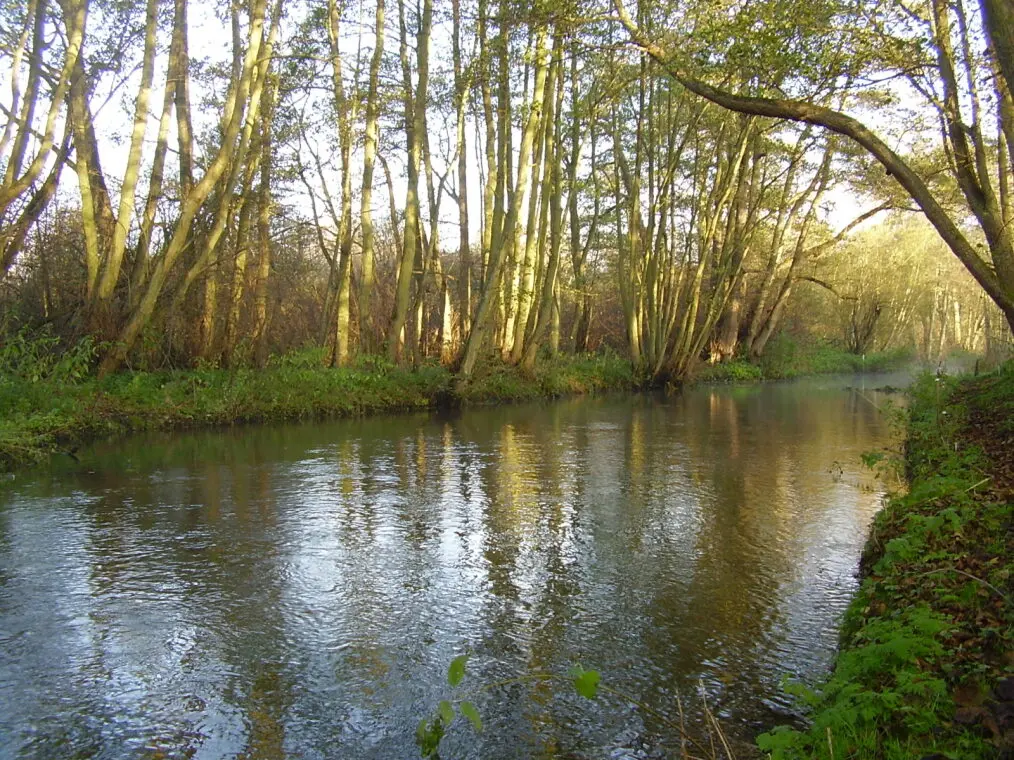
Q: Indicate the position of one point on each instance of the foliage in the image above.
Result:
(923, 643)
(736, 371)
(308, 357)
(50, 404)
(586, 682)
(895, 284)
(39, 356)
(496, 381)
(431, 730)
(787, 357)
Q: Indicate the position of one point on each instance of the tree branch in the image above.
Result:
(848, 126)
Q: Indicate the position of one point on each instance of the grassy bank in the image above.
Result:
(926, 665)
(786, 358)
(51, 405)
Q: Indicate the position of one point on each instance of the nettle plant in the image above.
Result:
(588, 684)
(431, 730)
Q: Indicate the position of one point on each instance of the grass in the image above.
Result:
(786, 358)
(925, 667)
(50, 401)
(496, 382)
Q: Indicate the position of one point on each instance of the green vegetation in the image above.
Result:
(498, 382)
(787, 358)
(925, 669)
(641, 183)
(430, 731)
(50, 401)
(588, 684)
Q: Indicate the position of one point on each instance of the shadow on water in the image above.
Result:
(299, 590)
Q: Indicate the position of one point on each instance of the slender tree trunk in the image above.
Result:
(345, 108)
(548, 312)
(538, 207)
(264, 206)
(367, 328)
(414, 103)
(125, 212)
(481, 326)
(15, 219)
(15, 181)
(248, 92)
(492, 167)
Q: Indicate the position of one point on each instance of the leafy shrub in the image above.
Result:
(737, 371)
(309, 356)
(38, 356)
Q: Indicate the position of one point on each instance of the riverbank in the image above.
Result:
(786, 359)
(926, 665)
(57, 408)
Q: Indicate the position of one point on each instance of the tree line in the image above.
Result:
(216, 182)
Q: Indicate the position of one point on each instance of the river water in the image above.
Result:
(299, 591)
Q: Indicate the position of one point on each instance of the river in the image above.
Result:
(299, 591)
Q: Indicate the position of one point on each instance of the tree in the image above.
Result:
(242, 107)
(368, 278)
(40, 70)
(500, 243)
(965, 107)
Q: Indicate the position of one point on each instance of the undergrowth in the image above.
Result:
(51, 401)
(497, 382)
(924, 668)
(786, 358)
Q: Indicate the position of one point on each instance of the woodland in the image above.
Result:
(316, 208)
(212, 184)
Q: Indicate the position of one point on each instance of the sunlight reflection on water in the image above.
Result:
(299, 591)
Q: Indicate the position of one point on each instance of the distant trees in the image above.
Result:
(896, 284)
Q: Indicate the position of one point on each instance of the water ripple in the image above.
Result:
(301, 593)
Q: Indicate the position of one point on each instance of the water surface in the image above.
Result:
(299, 591)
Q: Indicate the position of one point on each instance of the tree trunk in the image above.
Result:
(461, 88)
(261, 314)
(414, 107)
(248, 91)
(480, 328)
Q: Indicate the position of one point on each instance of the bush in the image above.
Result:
(38, 356)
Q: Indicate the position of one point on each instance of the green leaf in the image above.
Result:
(428, 736)
(446, 710)
(423, 738)
(872, 458)
(456, 671)
(586, 681)
(469, 711)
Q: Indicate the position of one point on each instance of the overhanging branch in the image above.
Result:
(840, 123)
